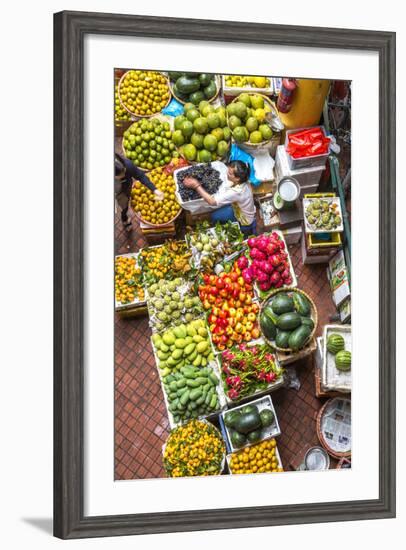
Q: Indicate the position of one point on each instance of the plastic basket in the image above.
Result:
(305, 162)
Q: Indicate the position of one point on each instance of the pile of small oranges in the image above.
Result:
(166, 261)
(195, 449)
(119, 112)
(128, 280)
(257, 459)
(144, 201)
(144, 92)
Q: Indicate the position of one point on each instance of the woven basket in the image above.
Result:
(313, 315)
(137, 114)
(217, 80)
(331, 452)
(204, 421)
(159, 116)
(268, 144)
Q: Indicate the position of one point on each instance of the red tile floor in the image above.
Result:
(141, 425)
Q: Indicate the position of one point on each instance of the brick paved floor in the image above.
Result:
(140, 418)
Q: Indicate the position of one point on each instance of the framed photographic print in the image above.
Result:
(224, 275)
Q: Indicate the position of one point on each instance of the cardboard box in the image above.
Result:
(338, 276)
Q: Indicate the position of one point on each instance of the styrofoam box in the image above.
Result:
(293, 234)
(278, 383)
(234, 91)
(199, 206)
(331, 377)
(306, 259)
(271, 431)
(219, 390)
(306, 177)
(278, 458)
(136, 302)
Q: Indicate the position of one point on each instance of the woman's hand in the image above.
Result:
(159, 195)
(190, 182)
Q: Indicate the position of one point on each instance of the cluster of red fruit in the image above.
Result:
(270, 265)
(233, 314)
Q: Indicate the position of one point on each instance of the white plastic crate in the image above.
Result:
(268, 433)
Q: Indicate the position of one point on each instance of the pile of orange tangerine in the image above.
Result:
(144, 201)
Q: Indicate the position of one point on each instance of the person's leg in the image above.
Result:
(223, 214)
(123, 203)
(248, 230)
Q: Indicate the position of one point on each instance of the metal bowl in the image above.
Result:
(316, 458)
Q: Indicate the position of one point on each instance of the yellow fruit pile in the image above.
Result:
(166, 261)
(239, 81)
(144, 201)
(119, 112)
(128, 284)
(257, 459)
(144, 92)
(195, 449)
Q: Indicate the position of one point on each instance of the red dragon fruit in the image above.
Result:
(242, 262)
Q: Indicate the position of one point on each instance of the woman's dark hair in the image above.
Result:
(119, 165)
(241, 170)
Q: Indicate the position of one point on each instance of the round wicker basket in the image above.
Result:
(157, 225)
(159, 116)
(133, 113)
(217, 80)
(313, 315)
(331, 452)
(263, 144)
(204, 421)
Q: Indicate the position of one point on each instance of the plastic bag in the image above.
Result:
(174, 108)
(238, 154)
(308, 143)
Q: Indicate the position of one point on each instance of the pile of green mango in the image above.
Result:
(183, 345)
(191, 393)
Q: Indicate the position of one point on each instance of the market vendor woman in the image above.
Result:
(234, 199)
(124, 173)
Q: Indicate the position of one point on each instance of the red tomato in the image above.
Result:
(219, 301)
(255, 333)
(234, 276)
(212, 319)
(212, 279)
(224, 339)
(214, 291)
(219, 283)
(223, 293)
(223, 314)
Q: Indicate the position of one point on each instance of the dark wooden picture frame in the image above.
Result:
(70, 28)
